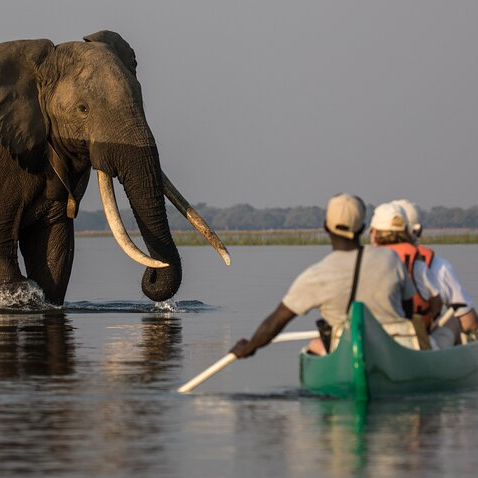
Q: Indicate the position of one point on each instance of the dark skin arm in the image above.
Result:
(436, 305)
(269, 328)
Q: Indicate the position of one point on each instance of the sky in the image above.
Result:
(280, 103)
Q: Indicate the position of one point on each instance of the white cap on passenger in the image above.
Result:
(413, 215)
(345, 215)
(389, 217)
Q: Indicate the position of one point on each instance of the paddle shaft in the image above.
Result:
(441, 321)
(290, 336)
(209, 372)
(230, 357)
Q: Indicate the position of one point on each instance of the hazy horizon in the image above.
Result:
(282, 104)
(321, 206)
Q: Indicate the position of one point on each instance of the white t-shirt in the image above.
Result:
(425, 280)
(382, 285)
(451, 290)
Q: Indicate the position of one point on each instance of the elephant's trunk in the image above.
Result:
(139, 172)
(113, 217)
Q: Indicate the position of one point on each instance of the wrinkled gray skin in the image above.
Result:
(85, 99)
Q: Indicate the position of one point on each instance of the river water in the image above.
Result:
(89, 390)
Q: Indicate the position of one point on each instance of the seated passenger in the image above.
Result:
(451, 290)
(350, 272)
(390, 228)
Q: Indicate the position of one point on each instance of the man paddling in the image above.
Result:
(350, 272)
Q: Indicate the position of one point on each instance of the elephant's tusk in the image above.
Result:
(194, 218)
(110, 206)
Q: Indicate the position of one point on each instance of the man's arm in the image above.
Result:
(436, 305)
(269, 328)
(469, 321)
(430, 281)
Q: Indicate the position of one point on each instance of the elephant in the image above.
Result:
(66, 109)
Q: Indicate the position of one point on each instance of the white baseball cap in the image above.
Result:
(413, 215)
(345, 215)
(389, 217)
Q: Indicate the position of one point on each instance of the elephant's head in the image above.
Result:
(66, 108)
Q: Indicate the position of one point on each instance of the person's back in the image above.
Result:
(383, 285)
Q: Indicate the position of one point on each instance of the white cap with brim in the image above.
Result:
(413, 214)
(345, 215)
(389, 217)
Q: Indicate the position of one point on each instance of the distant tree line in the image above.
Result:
(245, 217)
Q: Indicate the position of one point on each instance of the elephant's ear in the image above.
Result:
(120, 46)
(22, 125)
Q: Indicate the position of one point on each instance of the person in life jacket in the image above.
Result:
(452, 291)
(390, 228)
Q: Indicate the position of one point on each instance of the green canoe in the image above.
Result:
(368, 363)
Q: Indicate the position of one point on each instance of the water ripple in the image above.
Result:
(27, 297)
(169, 306)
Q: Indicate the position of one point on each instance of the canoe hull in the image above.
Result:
(368, 363)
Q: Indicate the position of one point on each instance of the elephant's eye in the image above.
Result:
(83, 109)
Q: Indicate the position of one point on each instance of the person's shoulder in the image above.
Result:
(420, 267)
(442, 267)
(380, 253)
(383, 255)
(317, 266)
(314, 272)
(440, 262)
(332, 261)
(331, 257)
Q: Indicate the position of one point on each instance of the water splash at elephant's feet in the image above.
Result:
(22, 296)
(166, 306)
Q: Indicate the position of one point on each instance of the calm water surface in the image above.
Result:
(90, 390)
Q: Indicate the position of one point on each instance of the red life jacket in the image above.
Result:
(427, 254)
(408, 254)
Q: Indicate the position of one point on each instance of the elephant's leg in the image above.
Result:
(47, 247)
(9, 269)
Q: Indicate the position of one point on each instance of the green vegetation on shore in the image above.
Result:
(243, 217)
(244, 225)
(293, 237)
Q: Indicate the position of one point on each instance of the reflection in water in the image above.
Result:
(137, 360)
(160, 346)
(35, 345)
(310, 436)
(64, 410)
(387, 438)
(141, 353)
(334, 431)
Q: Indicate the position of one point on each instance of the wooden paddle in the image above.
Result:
(449, 313)
(230, 357)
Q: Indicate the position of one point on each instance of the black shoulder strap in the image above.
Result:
(356, 277)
